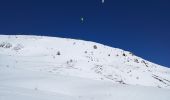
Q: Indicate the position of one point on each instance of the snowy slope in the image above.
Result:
(46, 68)
(19, 84)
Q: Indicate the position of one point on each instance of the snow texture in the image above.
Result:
(50, 68)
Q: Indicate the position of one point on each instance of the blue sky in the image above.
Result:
(139, 26)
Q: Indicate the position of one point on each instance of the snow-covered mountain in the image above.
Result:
(47, 63)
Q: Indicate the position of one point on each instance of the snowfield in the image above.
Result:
(50, 68)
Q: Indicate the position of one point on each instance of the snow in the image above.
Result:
(32, 69)
(19, 84)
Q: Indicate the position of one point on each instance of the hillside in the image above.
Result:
(72, 69)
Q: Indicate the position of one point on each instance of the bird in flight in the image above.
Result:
(82, 19)
(102, 1)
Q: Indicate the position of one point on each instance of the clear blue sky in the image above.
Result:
(139, 26)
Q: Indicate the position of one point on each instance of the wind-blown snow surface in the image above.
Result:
(50, 68)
